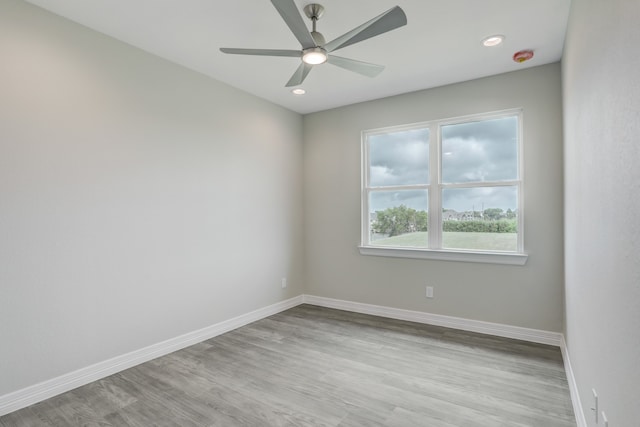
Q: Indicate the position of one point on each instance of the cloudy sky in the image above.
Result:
(471, 152)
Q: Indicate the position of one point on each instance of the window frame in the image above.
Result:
(435, 187)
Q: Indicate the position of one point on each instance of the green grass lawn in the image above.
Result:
(455, 240)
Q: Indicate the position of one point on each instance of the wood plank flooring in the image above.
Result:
(313, 366)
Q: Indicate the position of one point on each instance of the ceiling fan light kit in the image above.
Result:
(314, 56)
(315, 50)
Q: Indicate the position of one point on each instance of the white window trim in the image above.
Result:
(435, 187)
(507, 258)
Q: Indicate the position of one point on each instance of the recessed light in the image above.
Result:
(493, 40)
(298, 91)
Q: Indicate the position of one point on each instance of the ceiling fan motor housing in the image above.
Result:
(318, 38)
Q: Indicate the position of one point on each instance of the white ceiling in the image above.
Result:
(441, 43)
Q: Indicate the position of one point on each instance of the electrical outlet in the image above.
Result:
(605, 421)
(284, 282)
(595, 405)
(429, 293)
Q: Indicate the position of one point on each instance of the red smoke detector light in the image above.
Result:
(523, 55)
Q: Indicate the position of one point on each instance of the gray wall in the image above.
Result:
(529, 296)
(601, 95)
(138, 200)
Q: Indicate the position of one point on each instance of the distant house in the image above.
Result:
(452, 215)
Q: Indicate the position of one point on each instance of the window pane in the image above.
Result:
(483, 218)
(398, 218)
(399, 158)
(480, 151)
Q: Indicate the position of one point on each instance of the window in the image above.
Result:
(447, 189)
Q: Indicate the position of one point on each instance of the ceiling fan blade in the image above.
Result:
(300, 74)
(364, 68)
(390, 20)
(263, 52)
(289, 12)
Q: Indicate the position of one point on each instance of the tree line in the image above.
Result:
(402, 219)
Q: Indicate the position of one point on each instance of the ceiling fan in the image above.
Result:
(315, 50)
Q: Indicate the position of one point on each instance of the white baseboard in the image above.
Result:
(497, 329)
(47, 389)
(573, 386)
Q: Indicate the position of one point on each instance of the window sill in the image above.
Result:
(446, 255)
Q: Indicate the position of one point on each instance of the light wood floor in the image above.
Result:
(312, 366)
